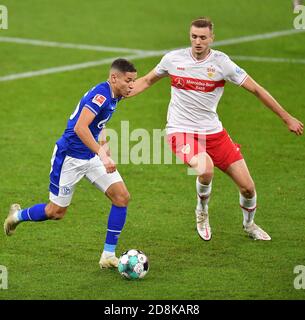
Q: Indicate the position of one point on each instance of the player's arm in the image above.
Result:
(293, 124)
(83, 132)
(103, 142)
(145, 82)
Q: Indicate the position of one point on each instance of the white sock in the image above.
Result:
(248, 207)
(107, 254)
(203, 195)
(16, 215)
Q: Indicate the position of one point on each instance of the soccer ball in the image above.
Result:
(133, 264)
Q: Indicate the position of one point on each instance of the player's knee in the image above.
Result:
(248, 191)
(203, 165)
(55, 212)
(206, 177)
(205, 174)
(121, 199)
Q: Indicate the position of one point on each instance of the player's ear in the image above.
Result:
(212, 37)
(113, 77)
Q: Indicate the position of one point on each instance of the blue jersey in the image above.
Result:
(98, 100)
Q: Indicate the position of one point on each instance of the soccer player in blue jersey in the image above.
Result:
(78, 153)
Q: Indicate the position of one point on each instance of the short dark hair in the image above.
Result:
(123, 65)
(203, 22)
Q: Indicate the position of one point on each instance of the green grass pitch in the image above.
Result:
(59, 260)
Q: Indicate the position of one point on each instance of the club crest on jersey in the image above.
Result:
(99, 99)
(65, 190)
(211, 72)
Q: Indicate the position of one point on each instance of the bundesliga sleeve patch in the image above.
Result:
(99, 99)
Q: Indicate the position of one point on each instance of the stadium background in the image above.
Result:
(59, 260)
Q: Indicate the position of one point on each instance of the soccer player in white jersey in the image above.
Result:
(194, 131)
(78, 153)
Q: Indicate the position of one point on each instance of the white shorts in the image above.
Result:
(66, 172)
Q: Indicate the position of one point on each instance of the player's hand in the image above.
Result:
(294, 125)
(109, 165)
(107, 161)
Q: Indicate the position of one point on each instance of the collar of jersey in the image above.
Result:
(199, 61)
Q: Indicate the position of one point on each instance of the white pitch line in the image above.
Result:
(43, 43)
(139, 54)
(255, 37)
(55, 44)
(89, 64)
(72, 67)
(268, 59)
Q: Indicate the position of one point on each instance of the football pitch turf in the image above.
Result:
(59, 259)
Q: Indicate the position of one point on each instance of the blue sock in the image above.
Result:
(35, 213)
(116, 221)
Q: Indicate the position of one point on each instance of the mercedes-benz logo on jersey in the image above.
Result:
(179, 82)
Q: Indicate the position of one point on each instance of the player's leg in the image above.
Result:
(204, 167)
(64, 175)
(114, 188)
(240, 174)
(191, 149)
(54, 211)
(36, 213)
(17, 215)
(119, 196)
(227, 157)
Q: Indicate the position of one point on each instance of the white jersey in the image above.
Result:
(196, 88)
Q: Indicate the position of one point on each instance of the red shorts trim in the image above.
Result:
(219, 146)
